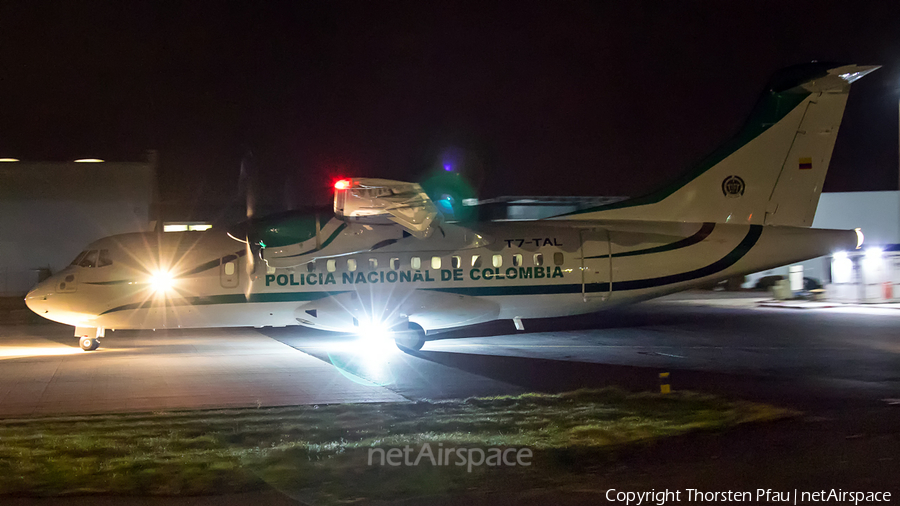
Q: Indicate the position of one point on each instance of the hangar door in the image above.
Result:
(595, 264)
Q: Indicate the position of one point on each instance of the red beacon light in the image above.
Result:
(342, 184)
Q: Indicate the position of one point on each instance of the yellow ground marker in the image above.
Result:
(664, 387)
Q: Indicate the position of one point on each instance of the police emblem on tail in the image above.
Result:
(733, 187)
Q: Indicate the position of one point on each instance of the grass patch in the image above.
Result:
(321, 452)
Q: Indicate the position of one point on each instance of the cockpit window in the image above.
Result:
(78, 259)
(89, 260)
(104, 258)
(93, 258)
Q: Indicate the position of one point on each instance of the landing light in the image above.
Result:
(89, 160)
(373, 330)
(840, 255)
(874, 253)
(9, 159)
(161, 281)
(374, 340)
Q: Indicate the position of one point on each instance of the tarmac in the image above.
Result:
(838, 365)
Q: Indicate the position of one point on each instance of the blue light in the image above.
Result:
(448, 167)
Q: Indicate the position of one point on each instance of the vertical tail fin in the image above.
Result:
(772, 172)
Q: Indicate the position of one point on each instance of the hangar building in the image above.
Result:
(49, 211)
(871, 274)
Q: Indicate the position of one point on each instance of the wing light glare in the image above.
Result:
(342, 184)
(89, 160)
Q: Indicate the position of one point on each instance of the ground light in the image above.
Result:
(873, 257)
(842, 267)
(36, 351)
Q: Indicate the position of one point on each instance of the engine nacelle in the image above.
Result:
(383, 202)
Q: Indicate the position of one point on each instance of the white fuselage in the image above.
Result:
(460, 276)
(383, 259)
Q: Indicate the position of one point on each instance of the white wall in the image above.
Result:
(49, 212)
(876, 213)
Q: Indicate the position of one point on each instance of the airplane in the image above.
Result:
(384, 261)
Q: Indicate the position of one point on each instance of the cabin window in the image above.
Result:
(311, 267)
(373, 263)
(538, 259)
(90, 260)
(351, 264)
(476, 261)
(517, 260)
(415, 262)
(331, 265)
(435, 262)
(229, 268)
(558, 258)
(395, 264)
(497, 261)
(455, 262)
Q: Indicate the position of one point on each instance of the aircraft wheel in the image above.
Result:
(411, 340)
(89, 343)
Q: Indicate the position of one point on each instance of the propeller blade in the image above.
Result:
(247, 183)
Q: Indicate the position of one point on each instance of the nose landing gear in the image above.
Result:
(89, 343)
(86, 341)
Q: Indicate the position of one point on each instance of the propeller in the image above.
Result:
(247, 184)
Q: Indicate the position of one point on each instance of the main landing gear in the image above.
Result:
(89, 337)
(411, 340)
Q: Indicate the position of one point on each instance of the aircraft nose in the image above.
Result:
(36, 299)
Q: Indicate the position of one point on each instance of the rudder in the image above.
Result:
(770, 173)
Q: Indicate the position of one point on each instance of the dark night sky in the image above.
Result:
(546, 98)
